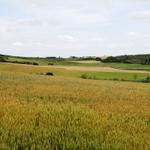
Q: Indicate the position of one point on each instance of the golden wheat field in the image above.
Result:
(39, 112)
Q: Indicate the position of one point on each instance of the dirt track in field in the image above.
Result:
(97, 69)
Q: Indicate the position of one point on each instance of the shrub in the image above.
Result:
(35, 63)
(84, 76)
(115, 79)
(49, 74)
(2, 59)
(148, 78)
(51, 64)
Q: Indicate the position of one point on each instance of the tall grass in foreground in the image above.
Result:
(30, 126)
(42, 113)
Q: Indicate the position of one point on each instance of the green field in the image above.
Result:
(128, 66)
(115, 76)
(40, 112)
(45, 61)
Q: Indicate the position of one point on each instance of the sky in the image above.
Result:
(74, 27)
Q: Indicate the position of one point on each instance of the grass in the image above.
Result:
(83, 63)
(66, 112)
(129, 66)
(44, 61)
(116, 76)
(74, 73)
(39, 61)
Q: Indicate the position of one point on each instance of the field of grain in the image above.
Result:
(65, 112)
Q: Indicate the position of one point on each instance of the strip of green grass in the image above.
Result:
(129, 66)
(116, 76)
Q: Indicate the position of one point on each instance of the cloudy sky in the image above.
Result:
(74, 27)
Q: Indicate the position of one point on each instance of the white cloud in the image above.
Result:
(133, 34)
(144, 15)
(66, 37)
(18, 44)
(80, 27)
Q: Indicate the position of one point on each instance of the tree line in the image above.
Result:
(130, 59)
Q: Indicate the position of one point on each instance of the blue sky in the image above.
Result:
(80, 27)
